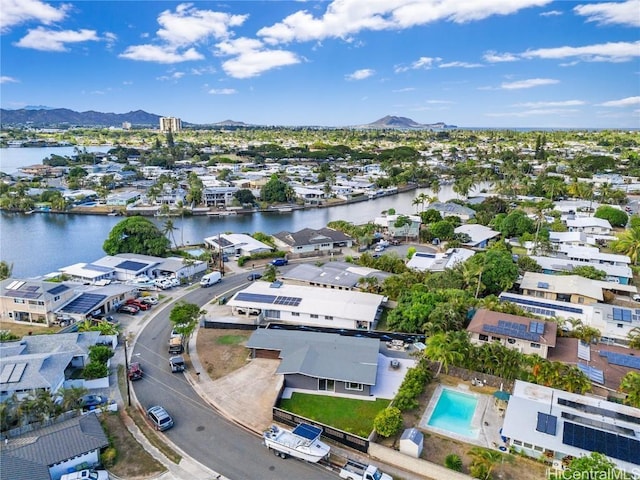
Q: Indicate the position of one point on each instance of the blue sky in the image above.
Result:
(472, 63)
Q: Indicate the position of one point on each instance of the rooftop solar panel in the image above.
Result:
(16, 375)
(132, 266)
(593, 373)
(31, 288)
(85, 303)
(547, 423)
(622, 359)
(58, 289)
(22, 294)
(610, 444)
(7, 370)
(584, 351)
(255, 297)
(292, 301)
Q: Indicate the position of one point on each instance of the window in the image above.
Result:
(517, 442)
(538, 449)
(493, 339)
(295, 314)
(580, 299)
(353, 386)
(511, 340)
(328, 317)
(527, 445)
(483, 337)
(620, 325)
(535, 345)
(56, 298)
(314, 315)
(272, 313)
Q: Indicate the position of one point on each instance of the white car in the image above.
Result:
(175, 282)
(379, 248)
(163, 283)
(636, 297)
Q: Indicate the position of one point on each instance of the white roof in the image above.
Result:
(593, 253)
(87, 270)
(568, 284)
(564, 264)
(567, 237)
(477, 232)
(437, 262)
(346, 304)
(238, 240)
(581, 222)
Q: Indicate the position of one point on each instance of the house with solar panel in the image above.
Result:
(451, 209)
(513, 331)
(333, 275)
(439, 262)
(565, 288)
(236, 244)
(306, 305)
(308, 242)
(620, 274)
(554, 424)
(38, 362)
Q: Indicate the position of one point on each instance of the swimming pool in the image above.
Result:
(454, 413)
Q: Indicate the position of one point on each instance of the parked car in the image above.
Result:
(149, 300)
(379, 248)
(159, 417)
(162, 283)
(91, 401)
(175, 282)
(279, 262)
(135, 371)
(254, 276)
(636, 297)
(130, 309)
(87, 474)
(137, 303)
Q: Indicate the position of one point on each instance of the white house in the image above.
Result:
(479, 234)
(438, 262)
(409, 229)
(589, 225)
(542, 421)
(303, 305)
(451, 209)
(236, 244)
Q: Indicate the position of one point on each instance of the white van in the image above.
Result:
(86, 475)
(210, 279)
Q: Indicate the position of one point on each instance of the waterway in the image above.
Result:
(41, 243)
(11, 159)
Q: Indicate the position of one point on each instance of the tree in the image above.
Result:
(244, 196)
(6, 269)
(443, 230)
(634, 337)
(595, 465)
(615, 216)
(274, 191)
(136, 235)
(587, 271)
(168, 228)
(485, 460)
(388, 422)
(499, 272)
(628, 243)
(441, 349)
(453, 462)
(630, 384)
(184, 317)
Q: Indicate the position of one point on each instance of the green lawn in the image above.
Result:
(354, 416)
(232, 339)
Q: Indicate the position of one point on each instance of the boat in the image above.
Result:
(302, 442)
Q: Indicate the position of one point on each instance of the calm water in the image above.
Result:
(454, 412)
(13, 158)
(41, 243)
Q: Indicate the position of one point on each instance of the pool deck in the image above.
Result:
(486, 418)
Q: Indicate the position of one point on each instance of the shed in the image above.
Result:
(412, 442)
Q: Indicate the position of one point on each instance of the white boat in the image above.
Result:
(302, 442)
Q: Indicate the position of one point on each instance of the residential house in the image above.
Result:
(451, 209)
(308, 241)
(304, 305)
(409, 228)
(33, 301)
(553, 424)
(513, 331)
(123, 198)
(49, 452)
(439, 262)
(479, 234)
(128, 266)
(320, 362)
(589, 225)
(236, 244)
(310, 196)
(219, 197)
(621, 274)
(578, 239)
(39, 362)
(333, 275)
(566, 288)
(172, 196)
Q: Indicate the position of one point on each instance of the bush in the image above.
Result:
(100, 353)
(412, 387)
(453, 462)
(388, 422)
(95, 370)
(108, 457)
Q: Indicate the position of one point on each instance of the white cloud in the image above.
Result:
(173, 76)
(439, 102)
(529, 83)
(55, 40)
(422, 63)
(495, 57)
(16, 12)
(344, 18)
(551, 13)
(625, 13)
(402, 90)
(460, 65)
(6, 79)
(251, 58)
(565, 103)
(203, 70)
(603, 52)
(223, 91)
(623, 102)
(158, 54)
(360, 74)
(188, 25)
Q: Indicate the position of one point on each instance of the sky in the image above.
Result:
(470, 63)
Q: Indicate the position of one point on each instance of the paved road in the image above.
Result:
(206, 436)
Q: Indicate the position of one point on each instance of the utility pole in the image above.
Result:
(220, 256)
(126, 366)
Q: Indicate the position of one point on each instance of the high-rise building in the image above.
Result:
(170, 124)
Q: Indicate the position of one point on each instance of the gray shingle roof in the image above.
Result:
(321, 355)
(29, 456)
(309, 236)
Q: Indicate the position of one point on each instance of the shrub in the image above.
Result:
(95, 370)
(453, 462)
(108, 457)
(412, 387)
(100, 353)
(388, 422)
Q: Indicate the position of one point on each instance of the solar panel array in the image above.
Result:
(271, 299)
(85, 303)
(536, 327)
(610, 444)
(131, 265)
(584, 351)
(58, 289)
(594, 374)
(512, 329)
(23, 294)
(538, 303)
(543, 285)
(12, 372)
(547, 423)
(622, 315)
(622, 359)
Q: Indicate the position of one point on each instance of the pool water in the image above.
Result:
(454, 412)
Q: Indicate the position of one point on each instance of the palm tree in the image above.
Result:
(6, 269)
(485, 460)
(630, 385)
(168, 228)
(587, 334)
(628, 243)
(573, 380)
(634, 337)
(440, 349)
(416, 201)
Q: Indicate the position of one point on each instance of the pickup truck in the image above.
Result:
(353, 470)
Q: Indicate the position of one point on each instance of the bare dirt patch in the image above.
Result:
(222, 351)
(20, 330)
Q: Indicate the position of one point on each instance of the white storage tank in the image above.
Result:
(412, 442)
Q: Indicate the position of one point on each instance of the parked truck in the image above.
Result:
(175, 344)
(210, 279)
(353, 470)
(177, 363)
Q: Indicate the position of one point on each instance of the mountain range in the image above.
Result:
(42, 116)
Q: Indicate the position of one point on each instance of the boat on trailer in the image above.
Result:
(302, 442)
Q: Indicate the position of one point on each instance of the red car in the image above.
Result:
(137, 303)
(135, 371)
(130, 309)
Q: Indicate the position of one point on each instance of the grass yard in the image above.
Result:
(353, 416)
